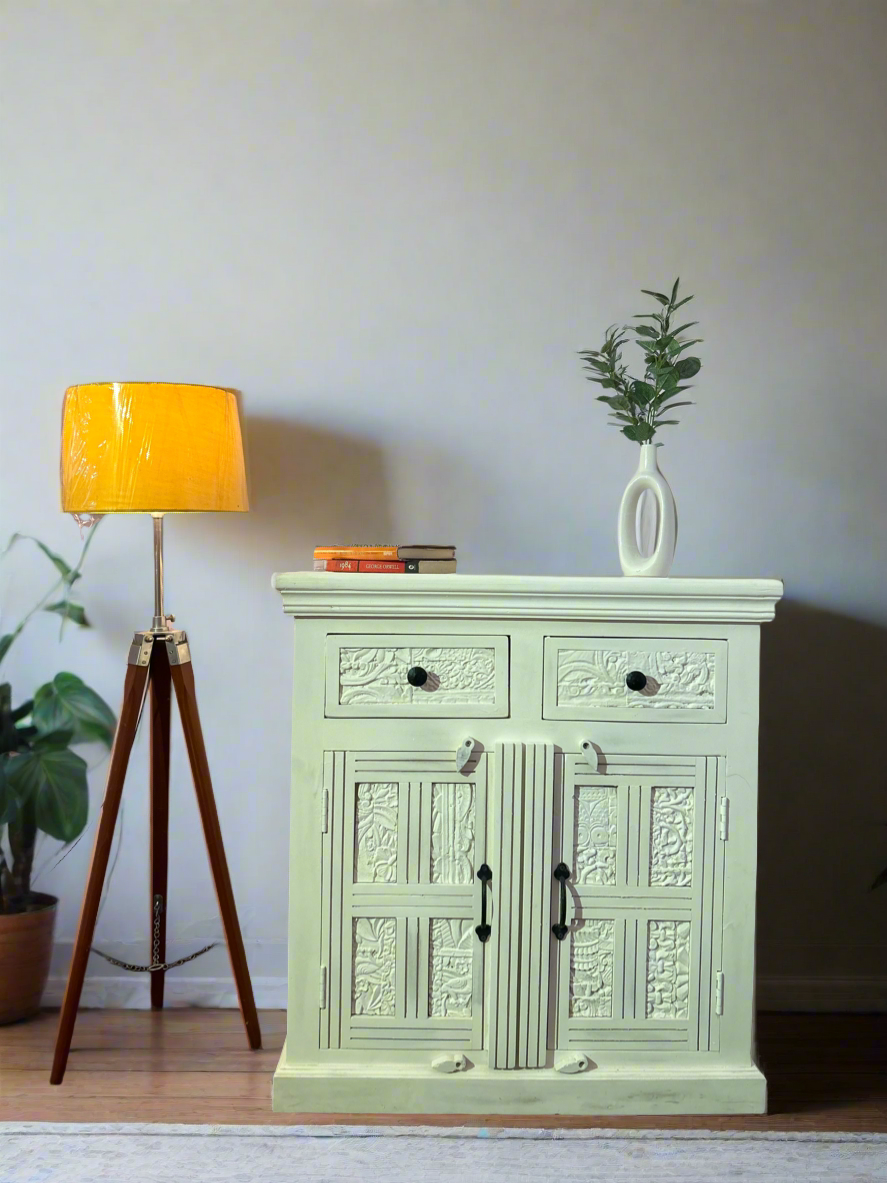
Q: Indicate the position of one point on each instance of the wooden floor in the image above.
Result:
(826, 1072)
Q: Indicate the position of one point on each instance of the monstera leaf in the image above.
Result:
(67, 703)
(53, 778)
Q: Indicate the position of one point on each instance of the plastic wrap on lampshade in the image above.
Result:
(151, 447)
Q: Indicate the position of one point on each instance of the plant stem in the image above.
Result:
(59, 583)
(22, 837)
(69, 582)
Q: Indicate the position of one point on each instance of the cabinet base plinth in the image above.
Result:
(400, 1088)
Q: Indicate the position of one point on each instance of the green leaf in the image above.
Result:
(643, 392)
(669, 380)
(674, 290)
(644, 433)
(646, 331)
(688, 367)
(680, 303)
(630, 432)
(70, 576)
(5, 641)
(55, 780)
(70, 610)
(669, 406)
(683, 328)
(50, 741)
(656, 295)
(68, 703)
(667, 422)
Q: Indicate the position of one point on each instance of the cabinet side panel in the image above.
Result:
(737, 962)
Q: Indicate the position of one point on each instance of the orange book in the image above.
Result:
(355, 552)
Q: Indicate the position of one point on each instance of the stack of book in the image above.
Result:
(385, 560)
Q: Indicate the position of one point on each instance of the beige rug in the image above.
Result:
(49, 1153)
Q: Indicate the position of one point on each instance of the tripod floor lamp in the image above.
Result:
(155, 448)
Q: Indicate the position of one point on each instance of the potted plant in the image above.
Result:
(638, 407)
(43, 790)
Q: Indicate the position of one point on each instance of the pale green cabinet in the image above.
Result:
(523, 845)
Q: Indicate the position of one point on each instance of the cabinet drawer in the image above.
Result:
(465, 676)
(680, 680)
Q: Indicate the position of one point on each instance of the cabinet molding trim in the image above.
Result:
(504, 597)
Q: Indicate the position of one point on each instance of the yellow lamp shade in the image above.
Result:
(151, 447)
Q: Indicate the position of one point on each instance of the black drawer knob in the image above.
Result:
(416, 676)
(635, 680)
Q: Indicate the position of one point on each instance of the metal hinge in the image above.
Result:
(323, 987)
(325, 811)
(719, 993)
(724, 826)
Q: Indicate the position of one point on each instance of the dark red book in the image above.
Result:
(336, 565)
(382, 566)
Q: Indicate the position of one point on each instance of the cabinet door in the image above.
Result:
(636, 970)
(406, 837)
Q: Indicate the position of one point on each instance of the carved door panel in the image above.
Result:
(637, 968)
(408, 835)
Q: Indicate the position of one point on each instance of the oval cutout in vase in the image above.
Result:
(647, 479)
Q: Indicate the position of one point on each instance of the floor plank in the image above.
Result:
(825, 1072)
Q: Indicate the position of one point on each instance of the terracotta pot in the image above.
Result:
(25, 951)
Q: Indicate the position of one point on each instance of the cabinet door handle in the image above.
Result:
(562, 874)
(483, 929)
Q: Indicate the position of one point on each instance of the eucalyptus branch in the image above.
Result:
(637, 405)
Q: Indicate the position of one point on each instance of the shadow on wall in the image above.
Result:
(306, 485)
(309, 483)
(823, 804)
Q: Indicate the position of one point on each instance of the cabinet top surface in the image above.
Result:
(551, 597)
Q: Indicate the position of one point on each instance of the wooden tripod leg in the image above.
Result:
(183, 683)
(160, 709)
(133, 693)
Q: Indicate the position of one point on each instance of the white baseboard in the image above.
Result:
(119, 992)
(205, 982)
(777, 992)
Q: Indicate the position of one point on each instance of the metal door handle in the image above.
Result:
(562, 874)
(483, 929)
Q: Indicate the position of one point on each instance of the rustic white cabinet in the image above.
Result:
(523, 844)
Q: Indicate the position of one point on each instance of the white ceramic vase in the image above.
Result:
(647, 478)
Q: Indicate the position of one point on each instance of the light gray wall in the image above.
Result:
(391, 225)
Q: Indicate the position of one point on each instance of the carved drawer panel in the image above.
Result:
(667, 680)
(379, 676)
